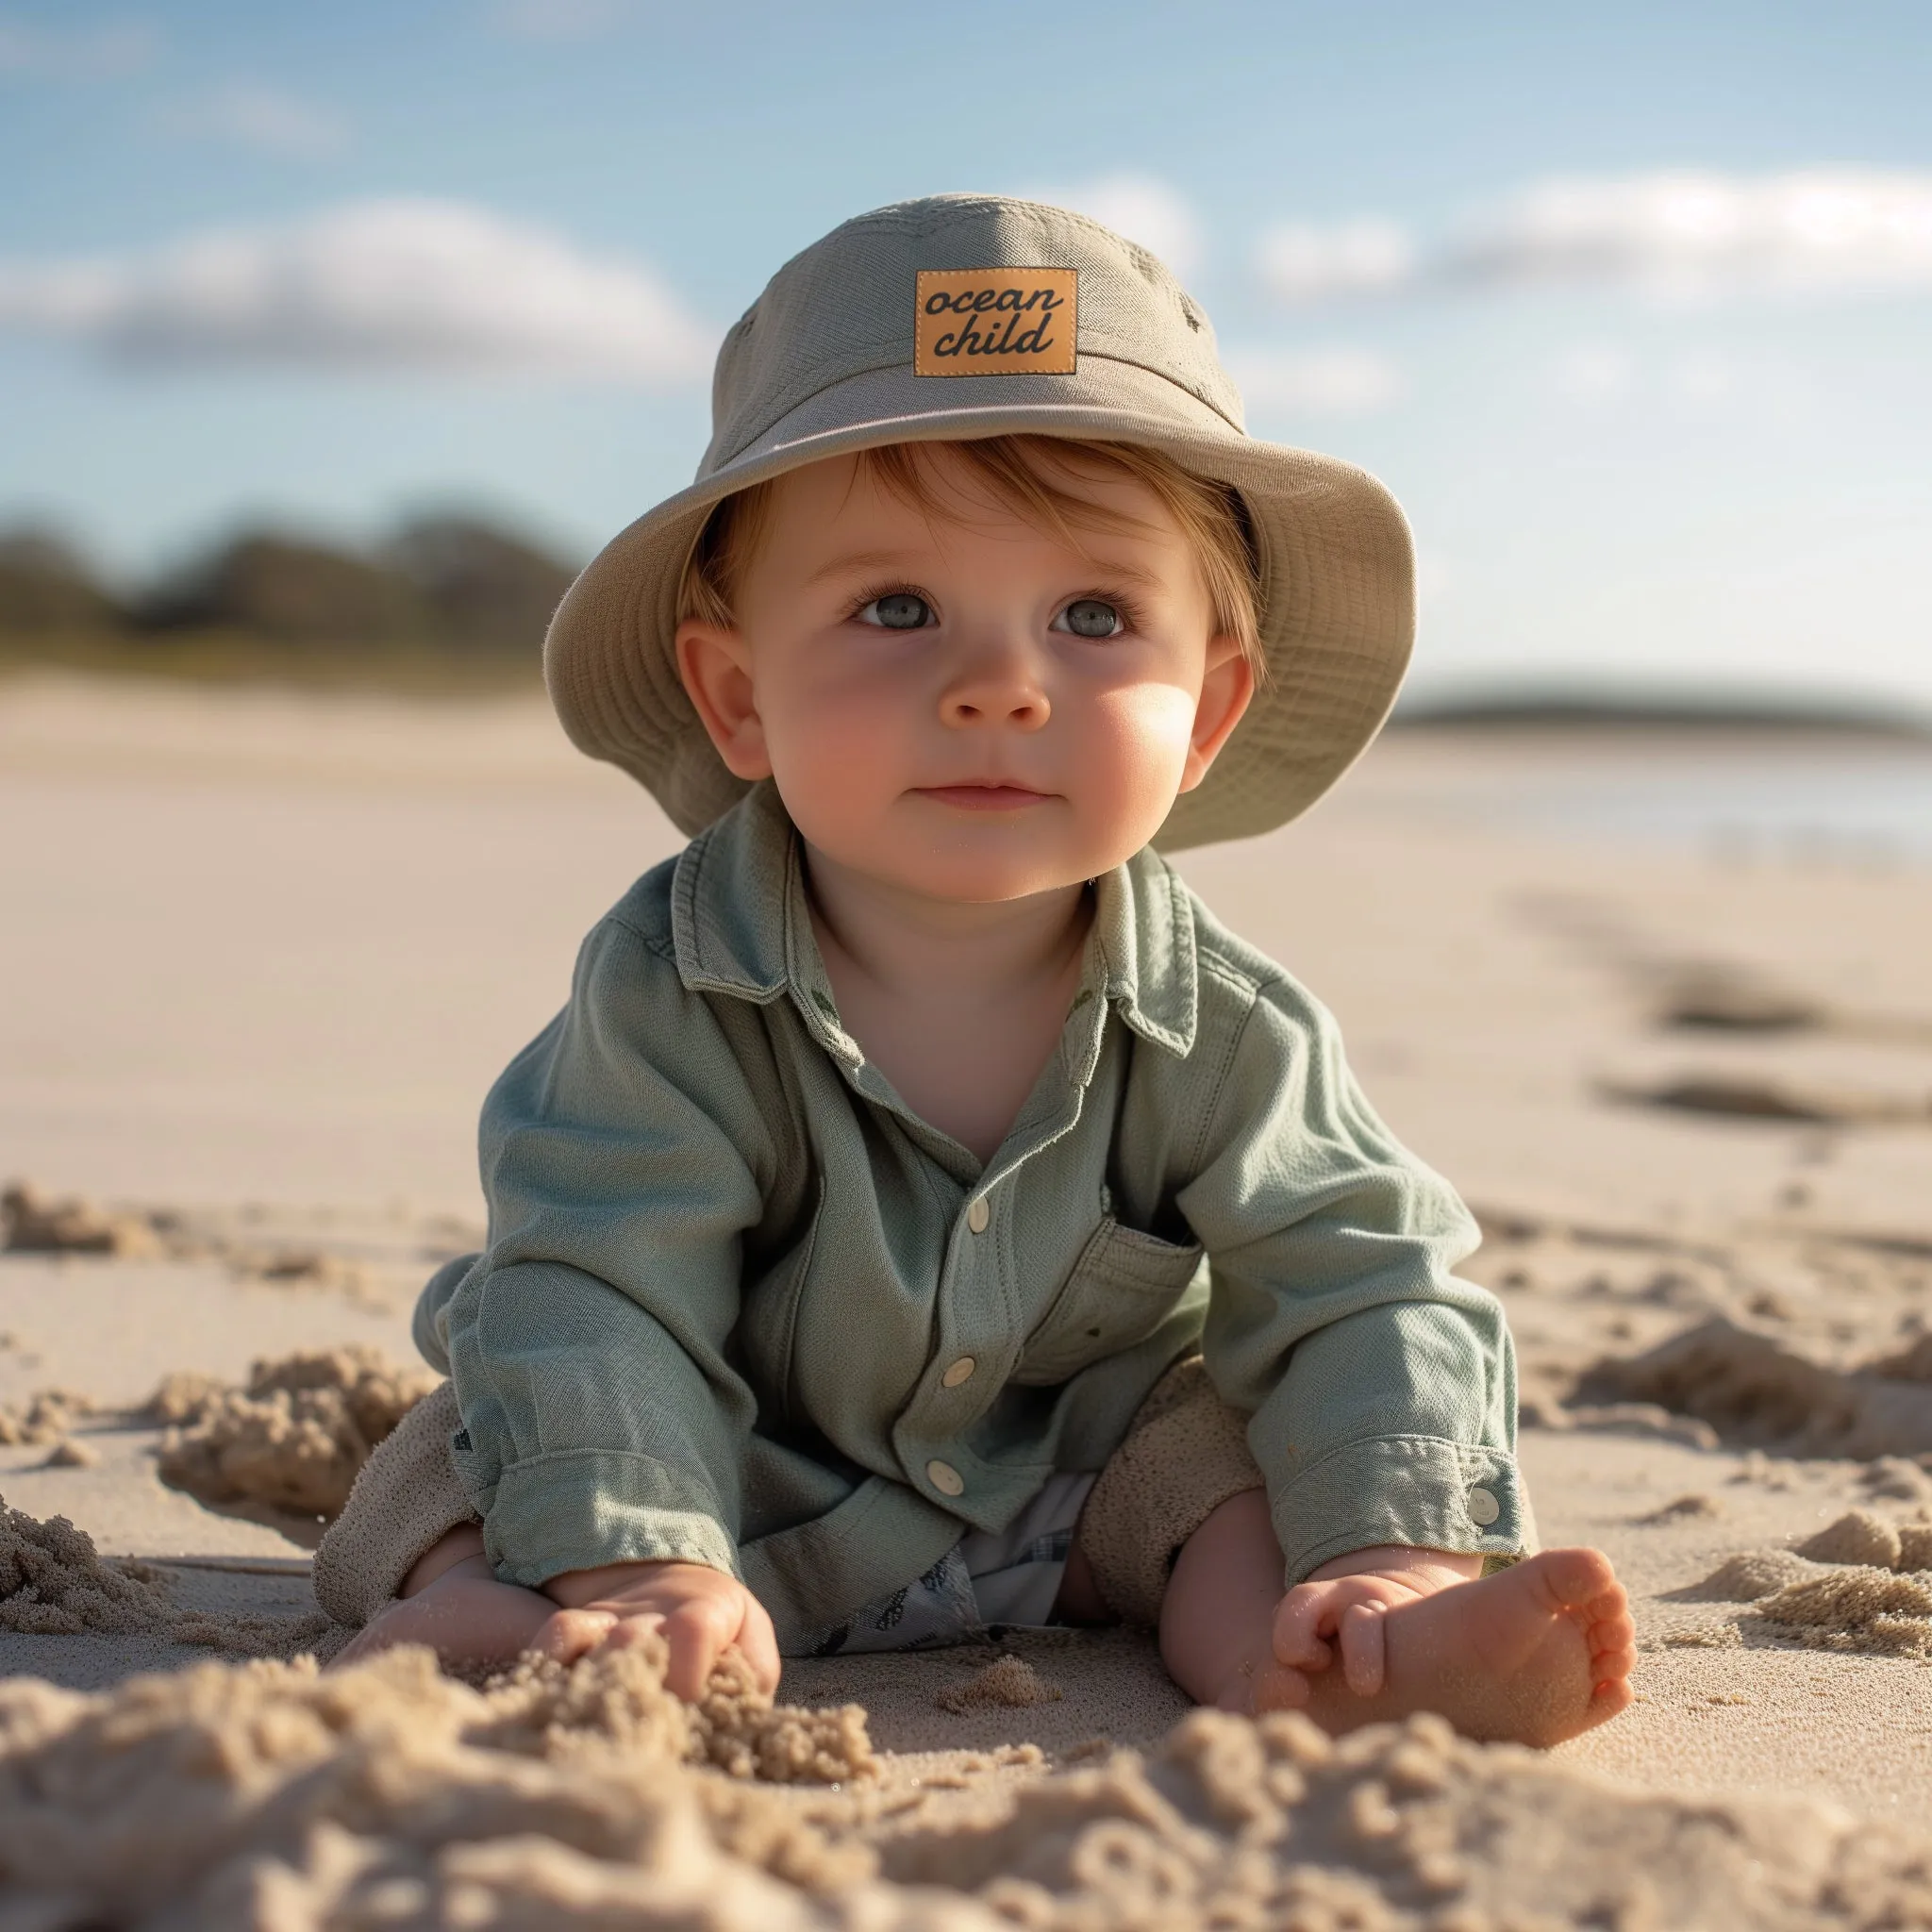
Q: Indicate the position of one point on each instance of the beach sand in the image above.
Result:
(262, 953)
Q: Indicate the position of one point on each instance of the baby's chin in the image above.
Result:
(979, 867)
(917, 844)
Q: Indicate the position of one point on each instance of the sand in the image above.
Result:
(271, 1795)
(294, 1437)
(1009, 1683)
(1724, 1315)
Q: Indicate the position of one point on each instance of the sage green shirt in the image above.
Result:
(741, 1306)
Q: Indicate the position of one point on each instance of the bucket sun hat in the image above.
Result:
(969, 315)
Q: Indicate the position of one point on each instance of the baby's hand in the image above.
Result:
(700, 1612)
(1343, 1602)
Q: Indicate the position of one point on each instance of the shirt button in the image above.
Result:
(962, 1370)
(978, 1214)
(944, 1477)
(1483, 1508)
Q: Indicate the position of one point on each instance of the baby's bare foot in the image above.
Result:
(1535, 1655)
(467, 1617)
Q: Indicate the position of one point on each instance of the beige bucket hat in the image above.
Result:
(971, 315)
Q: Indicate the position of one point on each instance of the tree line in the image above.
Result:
(442, 583)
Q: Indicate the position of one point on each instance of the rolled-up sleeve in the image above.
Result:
(602, 1418)
(1381, 1387)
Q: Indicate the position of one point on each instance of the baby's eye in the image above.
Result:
(1088, 617)
(897, 610)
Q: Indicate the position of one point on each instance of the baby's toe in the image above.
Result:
(1613, 1660)
(1581, 1579)
(1607, 1634)
(1610, 1699)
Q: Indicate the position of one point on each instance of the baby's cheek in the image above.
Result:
(833, 762)
(1134, 746)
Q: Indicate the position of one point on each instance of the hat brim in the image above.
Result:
(1337, 588)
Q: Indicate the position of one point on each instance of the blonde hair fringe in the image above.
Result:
(1030, 473)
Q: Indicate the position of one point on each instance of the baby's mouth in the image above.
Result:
(984, 797)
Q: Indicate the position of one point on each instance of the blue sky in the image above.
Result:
(1631, 305)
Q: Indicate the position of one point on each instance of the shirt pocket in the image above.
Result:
(1122, 1287)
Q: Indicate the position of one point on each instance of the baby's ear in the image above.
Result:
(715, 666)
(1226, 687)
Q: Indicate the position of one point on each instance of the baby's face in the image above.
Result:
(967, 709)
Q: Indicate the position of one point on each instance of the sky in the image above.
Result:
(1631, 305)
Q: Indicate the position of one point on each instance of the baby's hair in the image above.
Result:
(1030, 475)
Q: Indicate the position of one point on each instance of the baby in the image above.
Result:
(926, 1216)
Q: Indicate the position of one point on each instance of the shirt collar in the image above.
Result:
(740, 925)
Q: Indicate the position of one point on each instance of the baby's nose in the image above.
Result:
(1026, 708)
(999, 689)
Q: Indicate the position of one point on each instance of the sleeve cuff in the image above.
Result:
(581, 1509)
(1421, 1490)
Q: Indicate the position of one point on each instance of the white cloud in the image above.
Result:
(376, 285)
(1843, 232)
(1829, 231)
(84, 54)
(1338, 382)
(1301, 261)
(1143, 208)
(264, 119)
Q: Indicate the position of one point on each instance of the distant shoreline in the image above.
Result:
(231, 658)
(1624, 711)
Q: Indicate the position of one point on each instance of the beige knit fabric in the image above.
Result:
(406, 1499)
(1186, 1453)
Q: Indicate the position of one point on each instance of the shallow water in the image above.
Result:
(1847, 810)
(1852, 803)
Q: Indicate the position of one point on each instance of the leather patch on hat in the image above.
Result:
(995, 321)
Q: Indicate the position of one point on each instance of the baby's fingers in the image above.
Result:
(758, 1642)
(567, 1635)
(1303, 1614)
(1364, 1649)
(698, 1632)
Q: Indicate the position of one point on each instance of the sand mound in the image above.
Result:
(1858, 1537)
(295, 1438)
(1754, 1388)
(48, 1417)
(1694, 1507)
(32, 1224)
(1751, 1574)
(1008, 1683)
(1239, 1825)
(1913, 1364)
(1861, 1537)
(1854, 1587)
(55, 1583)
(269, 1794)
(1860, 1610)
(1748, 1097)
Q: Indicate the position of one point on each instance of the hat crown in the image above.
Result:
(847, 305)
